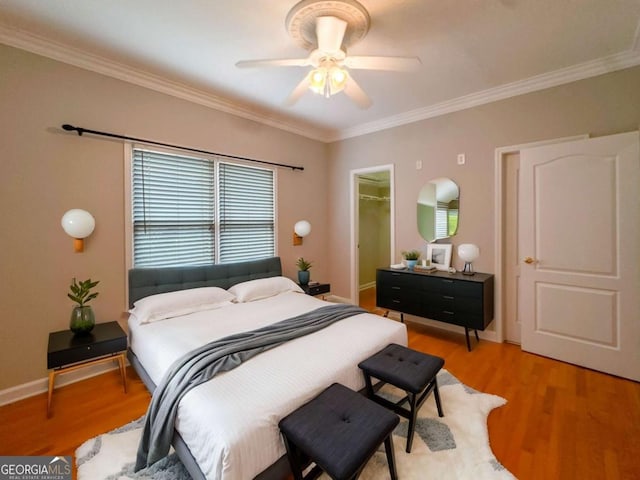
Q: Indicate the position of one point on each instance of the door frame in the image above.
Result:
(499, 159)
(355, 217)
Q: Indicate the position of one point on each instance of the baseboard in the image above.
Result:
(36, 387)
(337, 299)
(489, 335)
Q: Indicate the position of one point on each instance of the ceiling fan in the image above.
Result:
(326, 29)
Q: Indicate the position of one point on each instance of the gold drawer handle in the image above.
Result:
(528, 260)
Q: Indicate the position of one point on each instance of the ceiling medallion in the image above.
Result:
(301, 20)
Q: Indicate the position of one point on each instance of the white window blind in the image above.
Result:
(246, 213)
(441, 220)
(174, 214)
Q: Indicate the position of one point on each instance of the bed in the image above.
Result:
(227, 428)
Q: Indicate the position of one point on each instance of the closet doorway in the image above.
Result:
(372, 229)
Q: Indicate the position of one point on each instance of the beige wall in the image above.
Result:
(598, 106)
(44, 172)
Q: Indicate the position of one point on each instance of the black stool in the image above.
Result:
(339, 430)
(412, 371)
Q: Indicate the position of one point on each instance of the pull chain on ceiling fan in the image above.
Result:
(327, 28)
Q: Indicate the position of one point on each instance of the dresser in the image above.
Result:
(464, 300)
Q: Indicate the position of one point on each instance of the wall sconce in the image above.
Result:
(301, 229)
(78, 224)
(468, 252)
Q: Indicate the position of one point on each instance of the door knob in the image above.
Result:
(528, 260)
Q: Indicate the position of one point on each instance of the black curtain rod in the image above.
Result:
(80, 130)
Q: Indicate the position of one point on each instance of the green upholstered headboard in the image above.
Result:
(150, 281)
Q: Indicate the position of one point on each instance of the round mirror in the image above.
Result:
(438, 207)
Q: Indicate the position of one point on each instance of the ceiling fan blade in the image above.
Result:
(274, 62)
(355, 93)
(297, 92)
(330, 33)
(401, 64)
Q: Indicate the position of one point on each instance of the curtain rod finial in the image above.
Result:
(71, 128)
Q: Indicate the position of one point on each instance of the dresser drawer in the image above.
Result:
(85, 352)
(406, 301)
(468, 289)
(317, 289)
(395, 279)
(452, 287)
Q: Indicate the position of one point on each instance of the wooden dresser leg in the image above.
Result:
(52, 379)
(123, 371)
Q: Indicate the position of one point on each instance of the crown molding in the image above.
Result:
(562, 76)
(68, 54)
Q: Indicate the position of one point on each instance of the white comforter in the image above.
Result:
(230, 424)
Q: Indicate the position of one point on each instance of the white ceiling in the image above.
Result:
(472, 52)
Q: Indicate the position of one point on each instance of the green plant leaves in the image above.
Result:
(81, 291)
(302, 264)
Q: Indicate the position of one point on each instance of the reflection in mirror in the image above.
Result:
(438, 207)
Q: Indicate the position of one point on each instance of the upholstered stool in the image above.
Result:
(339, 431)
(411, 371)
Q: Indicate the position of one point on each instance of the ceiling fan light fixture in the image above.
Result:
(318, 80)
(338, 77)
(327, 81)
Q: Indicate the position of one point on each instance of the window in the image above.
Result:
(441, 220)
(196, 211)
(446, 219)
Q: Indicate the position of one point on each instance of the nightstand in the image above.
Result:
(107, 342)
(316, 289)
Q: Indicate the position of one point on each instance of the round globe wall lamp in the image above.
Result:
(301, 229)
(78, 224)
(469, 253)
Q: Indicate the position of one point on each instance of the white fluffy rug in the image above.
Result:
(455, 446)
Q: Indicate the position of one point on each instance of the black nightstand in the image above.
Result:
(316, 289)
(67, 352)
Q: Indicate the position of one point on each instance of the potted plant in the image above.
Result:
(411, 257)
(303, 271)
(82, 316)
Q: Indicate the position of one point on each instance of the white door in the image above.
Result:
(579, 238)
(511, 258)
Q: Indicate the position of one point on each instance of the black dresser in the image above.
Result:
(465, 300)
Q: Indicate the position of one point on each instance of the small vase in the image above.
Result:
(303, 277)
(411, 264)
(82, 320)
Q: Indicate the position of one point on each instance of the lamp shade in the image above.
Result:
(468, 252)
(302, 228)
(78, 223)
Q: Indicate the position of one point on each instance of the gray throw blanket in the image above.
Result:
(202, 364)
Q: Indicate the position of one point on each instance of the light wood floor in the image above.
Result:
(560, 422)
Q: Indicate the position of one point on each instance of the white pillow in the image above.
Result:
(263, 288)
(181, 302)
